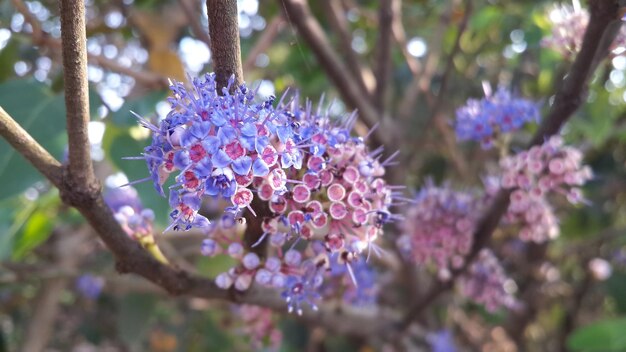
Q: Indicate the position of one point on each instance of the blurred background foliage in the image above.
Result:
(153, 39)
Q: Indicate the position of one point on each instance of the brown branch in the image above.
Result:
(191, 12)
(225, 46)
(74, 51)
(421, 84)
(337, 20)
(42, 38)
(568, 99)
(299, 15)
(447, 71)
(399, 35)
(24, 144)
(388, 10)
(264, 41)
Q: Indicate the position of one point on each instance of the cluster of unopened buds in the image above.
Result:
(136, 221)
(497, 113)
(439, 227)
(568, 29)
(324, 189)
(486, 283)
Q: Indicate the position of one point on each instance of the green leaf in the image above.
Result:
(14, 212)
(605, 335)
(36, 230)
(8, 56)
(40, 113)
(486, 17)
(142, 106)
(135, 314)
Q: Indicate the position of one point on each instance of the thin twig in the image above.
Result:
(569, 97)
(192, 13)
(421, 84)
(338, 22)
(447, 71)
(399, 35)
(388, 9)
(265, 40)
(299, 15)
(43, 39)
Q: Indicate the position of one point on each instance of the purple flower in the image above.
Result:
(442, 341)
(89, 286)
(482, 120)
(303, 288)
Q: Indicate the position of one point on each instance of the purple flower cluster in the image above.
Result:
(439, 227)
(485, 283)
(328, 204)
(129, 213)
(485, 119)
(216, 144)
(568, 28)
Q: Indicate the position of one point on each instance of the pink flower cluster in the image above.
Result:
(327, 200)
(439, 227)
(568, 28)
(485, 283)
(259, 326)
(533, 174)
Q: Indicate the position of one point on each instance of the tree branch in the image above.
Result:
(42, 38)
(74, 52)
(337, 20)
(190, 9)
(299, 15)
(568, 99)
(24, 144)
(264, 41)
(388, 10)
(225, 46)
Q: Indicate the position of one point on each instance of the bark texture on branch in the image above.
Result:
(225, 49)
(80, 174)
